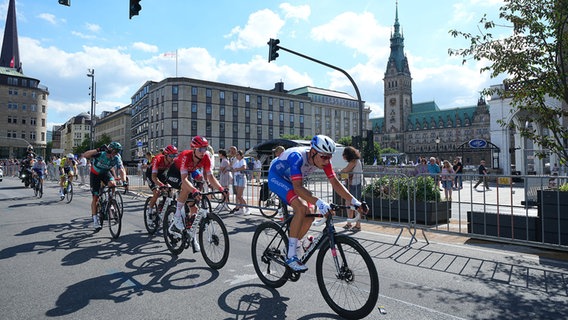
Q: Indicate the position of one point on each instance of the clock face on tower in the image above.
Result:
(392, 101)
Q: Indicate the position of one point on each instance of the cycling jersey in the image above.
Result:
(184, 164)
(290, 166)
(102, 164)
(40, 169)
(159, 167)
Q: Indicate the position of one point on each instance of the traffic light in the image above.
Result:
(135, 7)
(273, 49)
(65, 2)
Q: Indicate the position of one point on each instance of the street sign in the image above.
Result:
(477, 143)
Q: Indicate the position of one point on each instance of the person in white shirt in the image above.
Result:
(240, 181)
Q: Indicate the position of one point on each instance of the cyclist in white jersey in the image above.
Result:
(285, 178)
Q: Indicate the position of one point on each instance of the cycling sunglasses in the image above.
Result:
(325, 156)
(202, 149)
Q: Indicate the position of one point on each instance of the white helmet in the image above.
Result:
(323, 144)
(70, 156)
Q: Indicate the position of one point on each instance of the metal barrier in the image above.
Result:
(516, 209)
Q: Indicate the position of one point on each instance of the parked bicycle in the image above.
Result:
(345, 272)
(209, 227)
(268, 203)
(67, 189)
(109, 210)
(154, 221)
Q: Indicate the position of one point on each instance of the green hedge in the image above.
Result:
(403, 188)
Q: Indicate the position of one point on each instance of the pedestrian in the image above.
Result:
(240, 181)
(434, 171)
(257, 168)
(458, 169)
(82, 166)
(354, 171)
(225, 174)
(482, 172)
(447, 177)
(277, 152)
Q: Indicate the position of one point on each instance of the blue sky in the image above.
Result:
(225, 41)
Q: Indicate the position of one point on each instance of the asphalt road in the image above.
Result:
(53, 266)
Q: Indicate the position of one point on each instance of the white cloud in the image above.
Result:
(82, 35)
(93, 27)
(296, 12)
(261, 26)
(48, 17)
(360, 32)
(145, 47)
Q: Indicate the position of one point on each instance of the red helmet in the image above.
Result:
(199, 142)
(171, 149)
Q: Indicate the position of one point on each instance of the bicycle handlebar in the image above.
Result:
(335, 207)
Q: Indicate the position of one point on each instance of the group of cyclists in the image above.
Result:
(37, 167)
(178, 169)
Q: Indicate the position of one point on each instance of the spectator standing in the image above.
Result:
(447, 177)
(277, 152)
(354, 171)
(422, 166)
(240, 181)
(458, 169)
(434, 170)
(257, 168)
(82, 166)
(482, 172)
(225, 174)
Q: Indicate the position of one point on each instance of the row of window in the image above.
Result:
(23, 107)
(32, 135)
(24, 121)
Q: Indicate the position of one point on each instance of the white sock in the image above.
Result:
(292, 243)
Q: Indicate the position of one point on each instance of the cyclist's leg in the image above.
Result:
(174, 180)
(95, 183)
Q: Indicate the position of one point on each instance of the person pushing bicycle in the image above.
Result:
(185, 164)
(104, 159)
(156, 174)
(285, 178)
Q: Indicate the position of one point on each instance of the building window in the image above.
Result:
(194, 91)
(222, 110)
(175, 90)
(247, 98)
(208, 109)
(194, 126)
(194, 107)
(259, 115)
(175, 107)
(174, 124)
(221, 95)
(208, 93)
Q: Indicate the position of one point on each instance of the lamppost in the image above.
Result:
(437, 147)
(91, 75)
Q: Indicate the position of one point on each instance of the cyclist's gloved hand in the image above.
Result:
(225, 192)
(195, 194)
(323, 206)
(102, 148)
(356, 203)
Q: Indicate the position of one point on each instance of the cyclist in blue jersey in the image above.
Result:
(103, 160)
(40, 169)
(285, 178)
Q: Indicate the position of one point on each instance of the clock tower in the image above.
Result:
(397, 92)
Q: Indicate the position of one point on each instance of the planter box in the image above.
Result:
(428, 213)
(553, 213)
(503, 226)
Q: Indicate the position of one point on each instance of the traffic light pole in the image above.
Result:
(348, 77)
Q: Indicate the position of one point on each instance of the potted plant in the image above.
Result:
(404, 199)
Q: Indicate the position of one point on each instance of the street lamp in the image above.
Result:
(437, 147)
(91, 75)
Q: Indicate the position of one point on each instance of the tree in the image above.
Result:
(86, 143)
(535, 60)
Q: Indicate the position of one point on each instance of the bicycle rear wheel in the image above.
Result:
(213, 240)
(270, 206)
(175, 243)
(152, 222)
(114, 218)
(269, 247)
(69, 192)
(353, 290)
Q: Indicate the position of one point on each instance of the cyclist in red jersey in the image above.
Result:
(178, 177)
(156, 172)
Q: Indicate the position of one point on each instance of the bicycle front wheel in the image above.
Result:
(36, 189)
(40, 190)
(214, 241)
(353, 289)
(114, 219)
(269, 247)
(69, 194)
(152, 222)
(118, 199)
(270, 206)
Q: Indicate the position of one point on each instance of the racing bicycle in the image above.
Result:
(345, 272)
(205, 226)
(109, 210)
(67, 189)
(37, 185)
(153, 220)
